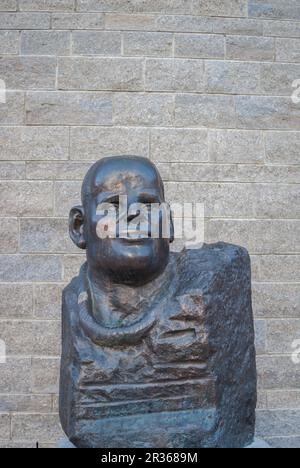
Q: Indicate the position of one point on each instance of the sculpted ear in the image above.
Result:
(172, 230)
(76, 220)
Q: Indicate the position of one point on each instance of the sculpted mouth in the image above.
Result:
(134, 241)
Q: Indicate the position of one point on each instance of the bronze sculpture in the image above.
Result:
(158, 348)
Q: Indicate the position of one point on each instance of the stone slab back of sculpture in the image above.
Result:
(158, 347)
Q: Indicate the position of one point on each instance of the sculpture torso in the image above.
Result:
(182, 382)
(167, 342)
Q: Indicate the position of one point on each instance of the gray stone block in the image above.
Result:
(215, 152)
(282, 235)
(162, 423)
(4, 426)
(274, 268)
(39, 338)
(47, 301)
(30, 268)
(9, 234)
(264, 112)
(288, 50)
(66, 195)
(232, 77)
(193, 110)
(220, 8)
(47, 5)
(12, 111)
(28, 72)
(153, 44)
(199, 46)
(43, 235)
(181, 75)
(282, 147)
(274, 9)
(277, 372)
(130, 22)
(34, 143)
(136, 6)
(250, 48)
(12, 170)
(273, 300)
(9, 42)
(91, 73)
(281, 29)
(9, 5)
(236, 146)
(186, 172)
(25, 403)
(15, 374)
(68, 170)
(21, 21)
(15, 445)
(75, 21)
(16, 301)
(96, 43)
(254, 173)
(238, 26)
(283, 399)
(26, 198)
(186, 23)
(168, 145)
(45, 375)
(277, 78)
(143, 109)
(259, 444)
(276, 423)
(37, 427)
(284, 442)
(68, 108)
(93, 143)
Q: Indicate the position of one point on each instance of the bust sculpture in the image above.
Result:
(158, 347)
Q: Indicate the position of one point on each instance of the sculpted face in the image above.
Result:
(131, 260)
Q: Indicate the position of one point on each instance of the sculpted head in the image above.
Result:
(124, 260)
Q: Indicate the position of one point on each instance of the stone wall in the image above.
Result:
(201, 87)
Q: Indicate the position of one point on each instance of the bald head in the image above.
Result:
(123, 175)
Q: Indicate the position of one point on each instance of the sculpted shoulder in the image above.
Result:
(199, 267)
